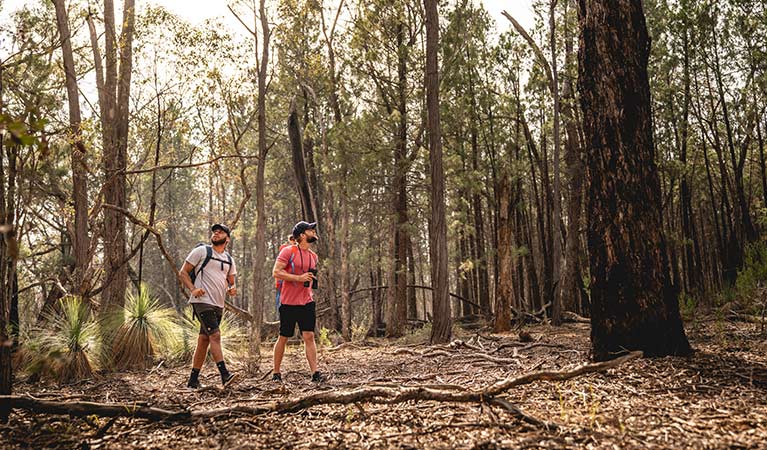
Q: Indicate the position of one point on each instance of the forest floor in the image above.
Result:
(716, 398)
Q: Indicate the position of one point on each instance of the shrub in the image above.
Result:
(323, 338)
(752, 277)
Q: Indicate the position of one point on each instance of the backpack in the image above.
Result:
(293, 251)
(208, 256)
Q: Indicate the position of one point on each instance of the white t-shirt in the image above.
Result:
(213, 278)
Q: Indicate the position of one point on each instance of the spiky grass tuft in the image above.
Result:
(142, 329)
(65, 348)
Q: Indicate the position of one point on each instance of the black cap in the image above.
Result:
(303, 226)
(222, 227)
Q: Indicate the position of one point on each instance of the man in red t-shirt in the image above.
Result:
(296, 267)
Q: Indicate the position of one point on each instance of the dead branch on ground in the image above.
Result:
(381, 395)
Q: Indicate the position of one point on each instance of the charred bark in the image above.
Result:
(634, 305)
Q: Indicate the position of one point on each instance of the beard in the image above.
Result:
(311, 239)
(219, 242)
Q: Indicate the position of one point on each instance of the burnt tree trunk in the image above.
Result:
(634, 305)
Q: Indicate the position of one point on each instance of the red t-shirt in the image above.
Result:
(293, 292)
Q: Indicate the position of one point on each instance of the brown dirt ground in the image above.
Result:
(715, 399)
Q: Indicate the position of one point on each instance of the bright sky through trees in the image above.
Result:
(196, 11)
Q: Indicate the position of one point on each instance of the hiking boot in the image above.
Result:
(277, 377)
(317, 377)
(194, 384)
(228, 378)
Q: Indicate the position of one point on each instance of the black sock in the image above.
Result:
(195, 374)
(222, 368)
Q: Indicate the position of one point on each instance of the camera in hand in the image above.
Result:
(314, 280)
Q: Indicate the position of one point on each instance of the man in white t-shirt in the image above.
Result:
(213, 279)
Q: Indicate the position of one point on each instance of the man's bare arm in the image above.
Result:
(183, 275)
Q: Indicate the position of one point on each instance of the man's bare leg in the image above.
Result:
(311, 350)
(279, 352)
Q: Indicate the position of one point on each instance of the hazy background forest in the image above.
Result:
(123, 198)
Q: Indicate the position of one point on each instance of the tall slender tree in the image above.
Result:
(441, 329)
(262, 62)
(79, 229)
(113, 82)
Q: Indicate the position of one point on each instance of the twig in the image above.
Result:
(104, 428)
(157, 367)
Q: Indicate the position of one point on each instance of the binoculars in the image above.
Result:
(314, 280)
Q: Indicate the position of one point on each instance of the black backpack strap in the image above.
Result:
(208, 256)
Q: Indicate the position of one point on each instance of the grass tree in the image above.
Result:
(67, 347)
(142, 329)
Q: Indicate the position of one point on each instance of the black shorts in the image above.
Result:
(304, 315)
(209, 317)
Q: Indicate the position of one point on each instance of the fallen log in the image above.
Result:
(369, 394)
(568, 316)
(81, 409)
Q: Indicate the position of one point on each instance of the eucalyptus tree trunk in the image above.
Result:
(556, 307)
(412, 305)
(504, 296)
(762, 170)
(9, 253)
(344, 244)
(346, 304)
(78, 230)
(397, 293)
(732, 253)
(113, 85)
(441, 328)
(257, 297)
(744, 226)
(571, 291)
(481, 267)
(693, 275)
(634, 305)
